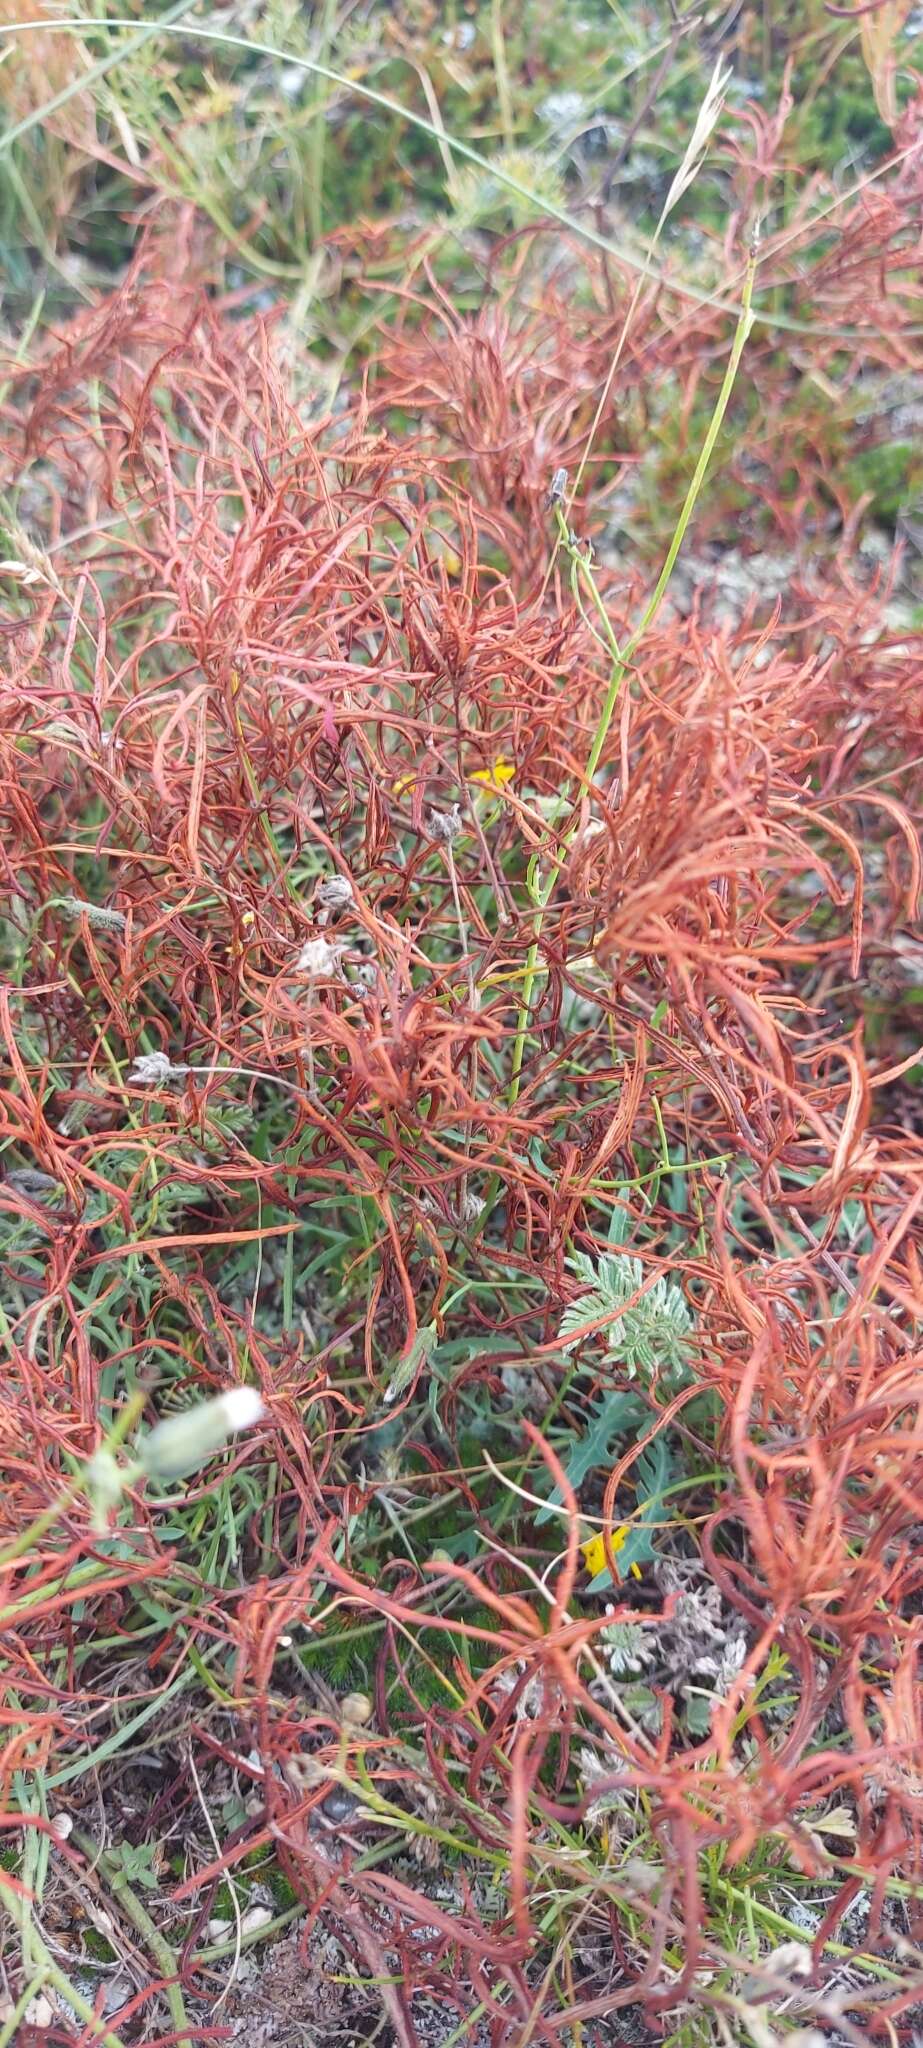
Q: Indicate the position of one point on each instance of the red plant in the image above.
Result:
(241, 638)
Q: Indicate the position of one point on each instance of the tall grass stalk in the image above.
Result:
(582, 573)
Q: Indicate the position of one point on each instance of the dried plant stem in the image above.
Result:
(259, 799)
(315, 195)
(473, 993)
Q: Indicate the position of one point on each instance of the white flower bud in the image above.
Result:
(104, 1484)
(20, 572)
(184, 1442)
(97, 915)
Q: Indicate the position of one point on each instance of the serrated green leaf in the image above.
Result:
(698, 1714)
(655, 1472)
(617, 1413)
(136, 1863)
(652, 1334)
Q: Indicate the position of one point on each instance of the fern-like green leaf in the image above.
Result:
(650, 1336)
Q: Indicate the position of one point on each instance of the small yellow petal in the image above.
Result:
(497, 776)
(594, 1551)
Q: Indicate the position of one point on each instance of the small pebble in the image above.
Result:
(258, 1916)
(39, 2013)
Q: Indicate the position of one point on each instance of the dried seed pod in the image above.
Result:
(334, 892)
(446, 826)
(97, 915)
(152, 1069)
(319, 959)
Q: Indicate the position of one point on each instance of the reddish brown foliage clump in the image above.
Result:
(254, 644)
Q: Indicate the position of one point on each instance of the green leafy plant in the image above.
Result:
(654, 1475)
(646, 1324)
(616, 1416)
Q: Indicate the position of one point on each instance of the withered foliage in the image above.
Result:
(246, 639)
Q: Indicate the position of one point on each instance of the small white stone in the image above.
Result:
(792, 1959)
(40, 2012)
(217, 1929)
(258, 1916)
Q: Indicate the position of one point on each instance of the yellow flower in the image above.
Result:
(497, 776)
(594, 1551)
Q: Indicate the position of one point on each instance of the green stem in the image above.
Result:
(46, 1520)
(38, 117)
(776, 1923)
(51, 1973)
(741, 335)
(10, 2026)
(37, 1529)
(501, 74)
(622, 657)
(577, 226)
(319, 132)
(164, 1956)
